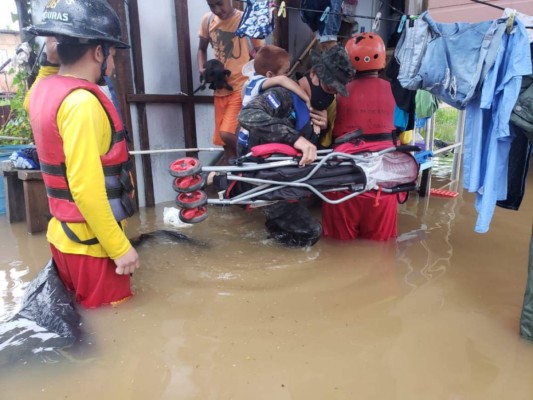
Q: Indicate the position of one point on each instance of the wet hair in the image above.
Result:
(270, 58)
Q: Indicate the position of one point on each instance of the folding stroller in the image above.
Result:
(270, 172)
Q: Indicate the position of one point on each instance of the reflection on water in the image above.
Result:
(12, 283)
(427, 250)
(232, 315)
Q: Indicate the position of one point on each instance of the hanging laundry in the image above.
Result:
(521, 128)
(349, 9)
(404, 98)
(487, 140)
(527, 20)
(426, 104)
(323, 17)
(449, 60)
(311, 13)
(257, 21)
(522, 115)
(518, 168)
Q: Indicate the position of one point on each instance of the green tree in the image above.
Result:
(17, 125)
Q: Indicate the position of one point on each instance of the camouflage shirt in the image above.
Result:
(270, 117)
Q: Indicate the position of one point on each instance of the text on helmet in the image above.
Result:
(56, 16)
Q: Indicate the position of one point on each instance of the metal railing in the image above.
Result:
(456, 148)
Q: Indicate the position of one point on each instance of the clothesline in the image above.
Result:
(328, 12)
(495, 6)
(366, 16)
(392, 7)
(489, 4)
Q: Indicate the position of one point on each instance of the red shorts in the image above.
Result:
(92, 279)
(359, 218)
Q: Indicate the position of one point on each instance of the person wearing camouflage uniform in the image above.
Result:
(279, 116)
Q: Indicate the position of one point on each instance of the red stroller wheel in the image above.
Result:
(185, 166)
(193, 215)
(188, 184)
(194, 199)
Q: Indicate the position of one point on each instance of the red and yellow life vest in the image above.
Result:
(45, 102)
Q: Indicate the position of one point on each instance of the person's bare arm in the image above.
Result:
(289, 84)
(201, 56)
(308, 150)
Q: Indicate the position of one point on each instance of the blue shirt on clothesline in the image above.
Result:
(487, 139)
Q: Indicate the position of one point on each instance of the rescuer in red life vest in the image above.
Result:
(84, 159)
(369, 106)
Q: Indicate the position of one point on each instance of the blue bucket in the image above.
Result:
(5, 153)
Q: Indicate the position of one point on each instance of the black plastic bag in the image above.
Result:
(47, 320)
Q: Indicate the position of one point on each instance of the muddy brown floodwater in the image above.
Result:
(432, 315)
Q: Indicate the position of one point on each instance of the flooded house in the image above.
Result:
(222, 311)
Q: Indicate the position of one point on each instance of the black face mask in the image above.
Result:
(320, 99)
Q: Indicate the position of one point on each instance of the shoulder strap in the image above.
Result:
(309, 81)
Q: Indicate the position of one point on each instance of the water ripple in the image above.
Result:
(12, 285)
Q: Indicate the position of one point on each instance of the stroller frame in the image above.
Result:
(365, 161)
(265, 186)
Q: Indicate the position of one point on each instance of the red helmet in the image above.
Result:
(366, 51)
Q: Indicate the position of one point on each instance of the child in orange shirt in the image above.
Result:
(218, 28)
